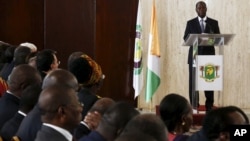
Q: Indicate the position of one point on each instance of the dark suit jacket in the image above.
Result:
(193, 27)
(9, 105)
(30, 125)
(6, 70)
(93, 136)
(198, 136)
(49, 134)
(88, 99)
(9, 129)
(81, 131)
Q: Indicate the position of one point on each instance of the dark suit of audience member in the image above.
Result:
(61, 113)
(112, 123)
(20, 78)
(194, 27)
(90, 79)
(32, 122)
(9, 105)
(7, 68)
(217, 122)
(92, 119)
(3, 47)
(46, 61)
(9, 64)
(28, 100)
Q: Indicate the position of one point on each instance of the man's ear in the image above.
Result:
(224, 136)
(61, 111)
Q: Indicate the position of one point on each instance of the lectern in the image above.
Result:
(207, 70)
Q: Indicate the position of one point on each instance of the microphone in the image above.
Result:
(210, 27)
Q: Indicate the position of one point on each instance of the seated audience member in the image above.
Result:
(176, 112)
(20, 55)
(90, 78)
(27, 102)
(3, 48)
(60, 113)
(7, 67)
(20, 78)
(32, 122)
(215, 126)
(112, 122)
(92, 119)
(149, 124)
(32, 47)
(135, 136)
(31, 58)
(46, 61)
(72, 57)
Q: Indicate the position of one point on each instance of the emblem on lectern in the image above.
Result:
(209, 72)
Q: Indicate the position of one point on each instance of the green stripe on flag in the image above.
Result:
(137, 71)
(153, 82)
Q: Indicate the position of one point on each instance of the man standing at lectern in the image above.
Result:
(198, 25)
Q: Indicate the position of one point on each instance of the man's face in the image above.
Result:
(55, 63)
(201, 9)
(73, 111)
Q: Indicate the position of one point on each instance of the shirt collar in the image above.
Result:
(64, 132)
(85, 124)
(22, 113)
(204, 19)
(9, 92)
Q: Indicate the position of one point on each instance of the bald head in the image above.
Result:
(54, 96)
(60, 77)
(116, 117)
(102, 104)
(149, 124)
(60, 106)
(21, 77)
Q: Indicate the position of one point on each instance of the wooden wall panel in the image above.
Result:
(69, 27)
(104, 29)
(115, 33)
(22, 21)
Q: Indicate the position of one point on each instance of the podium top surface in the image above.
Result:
(208, 39)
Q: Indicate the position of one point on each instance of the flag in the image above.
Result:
(138, 72)
(153, 66)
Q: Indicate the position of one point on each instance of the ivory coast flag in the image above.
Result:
(153, 66)
(138, 72)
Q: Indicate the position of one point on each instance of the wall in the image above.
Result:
(172, 16)
(103, 29)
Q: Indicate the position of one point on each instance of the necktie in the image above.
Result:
(202, 26)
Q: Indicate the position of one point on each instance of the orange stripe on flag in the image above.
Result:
(155, 48)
